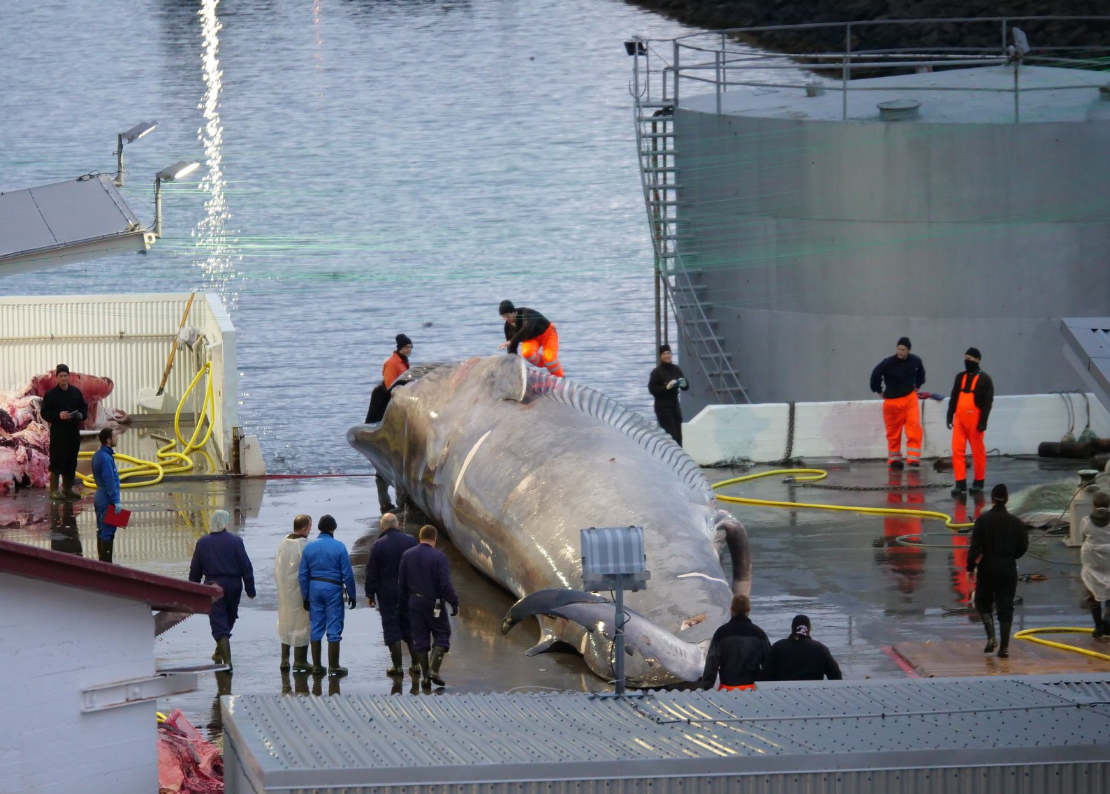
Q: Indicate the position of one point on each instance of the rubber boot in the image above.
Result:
(897, 465)
(300, 660)
(1106, 618)
(435, 661)
(67, 489)
(284, 657)
(333, 660)
(988, 624)
(218, 654)
(1004, 645)
(976, 487)
(960, 489)
(104, 549)
(414, 668)
(422, 661)
(317, 667)
(224, 644)
(395, 655)
(55, 494)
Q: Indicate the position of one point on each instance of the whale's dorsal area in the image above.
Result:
(654, 441)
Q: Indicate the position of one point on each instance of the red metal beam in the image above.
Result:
(161, 592)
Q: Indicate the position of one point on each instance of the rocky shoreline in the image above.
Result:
(720, 14)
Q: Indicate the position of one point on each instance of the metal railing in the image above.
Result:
(723, 60)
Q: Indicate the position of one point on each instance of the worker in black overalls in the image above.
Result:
(424, 585)
(997, 540)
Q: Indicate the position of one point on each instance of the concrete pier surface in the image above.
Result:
(863, 591)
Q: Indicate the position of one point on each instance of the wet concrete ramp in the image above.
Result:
(974, 734)
(964, 658)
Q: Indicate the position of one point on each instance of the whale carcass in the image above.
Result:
(513, 463)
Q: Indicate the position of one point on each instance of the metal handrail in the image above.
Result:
(720, 70)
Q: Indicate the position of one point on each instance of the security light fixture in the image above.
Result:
(178, 170)
(635, 47)
(132, 135)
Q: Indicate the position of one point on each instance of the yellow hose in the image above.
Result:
(812, 475)
(1027, 634)
(155, 470)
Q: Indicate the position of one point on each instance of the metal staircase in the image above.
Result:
(681, 285)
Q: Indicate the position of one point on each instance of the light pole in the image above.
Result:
(132, 135)
(176, 171)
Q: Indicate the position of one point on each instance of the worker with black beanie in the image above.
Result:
(968, 411)
(998, 539)
(398, 363)
(897, 378)
(664, 384)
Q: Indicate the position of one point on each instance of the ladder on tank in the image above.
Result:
(682, 286)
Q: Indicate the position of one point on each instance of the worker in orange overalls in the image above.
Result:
(398, 363)
(968, 411)
(897, 379)
(534, 334)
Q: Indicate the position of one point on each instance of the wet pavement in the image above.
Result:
(862, 590)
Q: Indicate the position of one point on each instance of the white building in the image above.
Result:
(78, 684)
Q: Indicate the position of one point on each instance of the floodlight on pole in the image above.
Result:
(613, 559)
(130, 136)
(181, 168)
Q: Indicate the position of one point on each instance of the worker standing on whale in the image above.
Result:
(533, 334)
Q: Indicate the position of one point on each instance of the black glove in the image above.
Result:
(981, 427)
(949, 425)
(454, 610)
(351, 603)
(305, 605)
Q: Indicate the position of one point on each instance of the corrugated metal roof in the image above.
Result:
(47, 225)
(300, 741)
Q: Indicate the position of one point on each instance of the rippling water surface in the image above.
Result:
(370, 167)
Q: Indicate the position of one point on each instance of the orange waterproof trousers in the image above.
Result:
(965, 429)
(898, 414)
(736, 688)
(543, 351)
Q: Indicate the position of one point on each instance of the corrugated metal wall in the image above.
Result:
(127, 338)
(1078, 778)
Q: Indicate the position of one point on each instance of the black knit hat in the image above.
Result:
(798, 622)
(403, 341)
(506, 307)
(905, 342)
(664, 349)
(326, 524)
(1000, 493)
(974, 353)
(60, 369)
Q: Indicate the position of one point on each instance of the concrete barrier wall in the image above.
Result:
(854, 429)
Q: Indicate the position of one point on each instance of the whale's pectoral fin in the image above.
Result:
(542, 602)
(596, 614)
(736, 538)
(509, 380)
(549, 639)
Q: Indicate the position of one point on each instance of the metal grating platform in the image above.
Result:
(989, 733)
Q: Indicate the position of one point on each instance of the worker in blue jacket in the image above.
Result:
(107, 492)
(221, 558)
(325, 573)
(424, 584)
(381, 590)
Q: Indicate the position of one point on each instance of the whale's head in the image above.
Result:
(409, 437)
